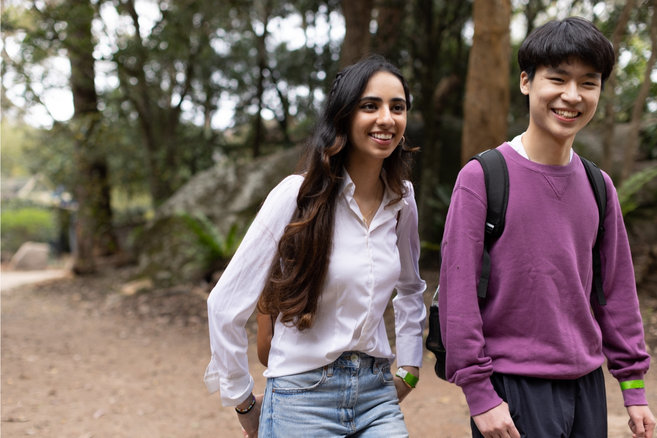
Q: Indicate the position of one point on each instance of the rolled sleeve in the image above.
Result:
(408, 304)
(233, 299)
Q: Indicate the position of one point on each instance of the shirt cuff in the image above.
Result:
(409, 351)
(233, 391)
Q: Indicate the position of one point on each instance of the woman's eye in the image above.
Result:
(399, 108)
(368, 106)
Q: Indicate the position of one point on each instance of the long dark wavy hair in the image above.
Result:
(298, 272)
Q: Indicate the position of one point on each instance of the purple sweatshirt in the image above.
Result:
(536, 320)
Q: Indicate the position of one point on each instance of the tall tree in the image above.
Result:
(640, 102)
(390, 15)
(158, 71)
(437, 57)
(357, 42)
(609, 97)
(94, 217)
(264, 11)
(487, 85)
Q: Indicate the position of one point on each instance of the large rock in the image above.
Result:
(177, 247)
(171, 253)
(231, 193)
(31, 256)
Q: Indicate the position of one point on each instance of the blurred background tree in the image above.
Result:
(124, 102)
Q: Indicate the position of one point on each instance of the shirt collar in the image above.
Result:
(348, 188)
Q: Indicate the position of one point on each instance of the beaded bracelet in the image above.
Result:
(247, 409)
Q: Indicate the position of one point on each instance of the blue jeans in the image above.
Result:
(354, 396)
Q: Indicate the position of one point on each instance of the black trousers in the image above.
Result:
(543, 408)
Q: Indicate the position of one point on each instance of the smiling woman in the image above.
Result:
(380, 118)
(321, 261)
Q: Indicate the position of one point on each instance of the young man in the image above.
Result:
(528, 357)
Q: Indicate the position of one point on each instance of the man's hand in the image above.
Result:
(496, 423)
(251, 420)
(642, 422)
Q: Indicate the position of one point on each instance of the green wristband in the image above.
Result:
(631, 384)
(407, 377)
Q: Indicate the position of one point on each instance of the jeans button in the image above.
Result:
(354, 357)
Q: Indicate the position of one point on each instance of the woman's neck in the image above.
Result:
(367, 180)
(368, 189)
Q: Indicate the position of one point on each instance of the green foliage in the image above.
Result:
(23, 223)
(221, 247)
(15, 139)
(439, 204)
(632, 186)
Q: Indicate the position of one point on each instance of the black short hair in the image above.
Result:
(559, 41)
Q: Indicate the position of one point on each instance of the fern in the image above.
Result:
(631, 186)
(221, 247)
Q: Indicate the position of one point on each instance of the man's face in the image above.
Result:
(562, 99)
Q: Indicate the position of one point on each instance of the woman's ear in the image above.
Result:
(524, 83)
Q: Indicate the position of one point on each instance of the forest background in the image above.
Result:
(114, 105)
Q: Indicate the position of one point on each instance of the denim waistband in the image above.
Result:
(357, 360)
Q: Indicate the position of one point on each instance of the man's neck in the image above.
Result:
(547, 150)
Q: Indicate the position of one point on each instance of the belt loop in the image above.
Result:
(329, 369)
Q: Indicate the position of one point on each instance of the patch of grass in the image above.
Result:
(22, 224)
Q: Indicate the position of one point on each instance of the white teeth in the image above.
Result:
(569, 114)
(382, 136)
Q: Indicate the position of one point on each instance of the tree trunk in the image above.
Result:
(356, 44)
(640, 102)
(260, 85)
(389, 20)
(610, 89)
(428, 178)
(94, 217)
(486, 103)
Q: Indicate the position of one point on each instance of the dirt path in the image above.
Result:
(80, 360)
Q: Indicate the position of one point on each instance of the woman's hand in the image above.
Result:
(251, 420)
(402, 388)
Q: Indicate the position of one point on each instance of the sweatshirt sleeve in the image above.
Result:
(461, 323)
(234, 297)
(620, 319)
(408, 304)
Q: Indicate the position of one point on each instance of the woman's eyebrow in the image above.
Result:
(378, 99)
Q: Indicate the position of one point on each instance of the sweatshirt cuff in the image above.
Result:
(634, 391)
(481, 396)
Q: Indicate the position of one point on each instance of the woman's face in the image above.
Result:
(379, 121)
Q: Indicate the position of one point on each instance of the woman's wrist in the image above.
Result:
(246, 406)
(409, 375)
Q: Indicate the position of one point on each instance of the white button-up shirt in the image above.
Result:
(365, 265)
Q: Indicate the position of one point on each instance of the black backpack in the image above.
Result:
(496, 177)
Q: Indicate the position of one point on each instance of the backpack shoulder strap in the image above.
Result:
(597, 181)
(496, 177)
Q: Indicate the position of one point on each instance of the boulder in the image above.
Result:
(31, 256)
(187, 239)
(231, 193)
